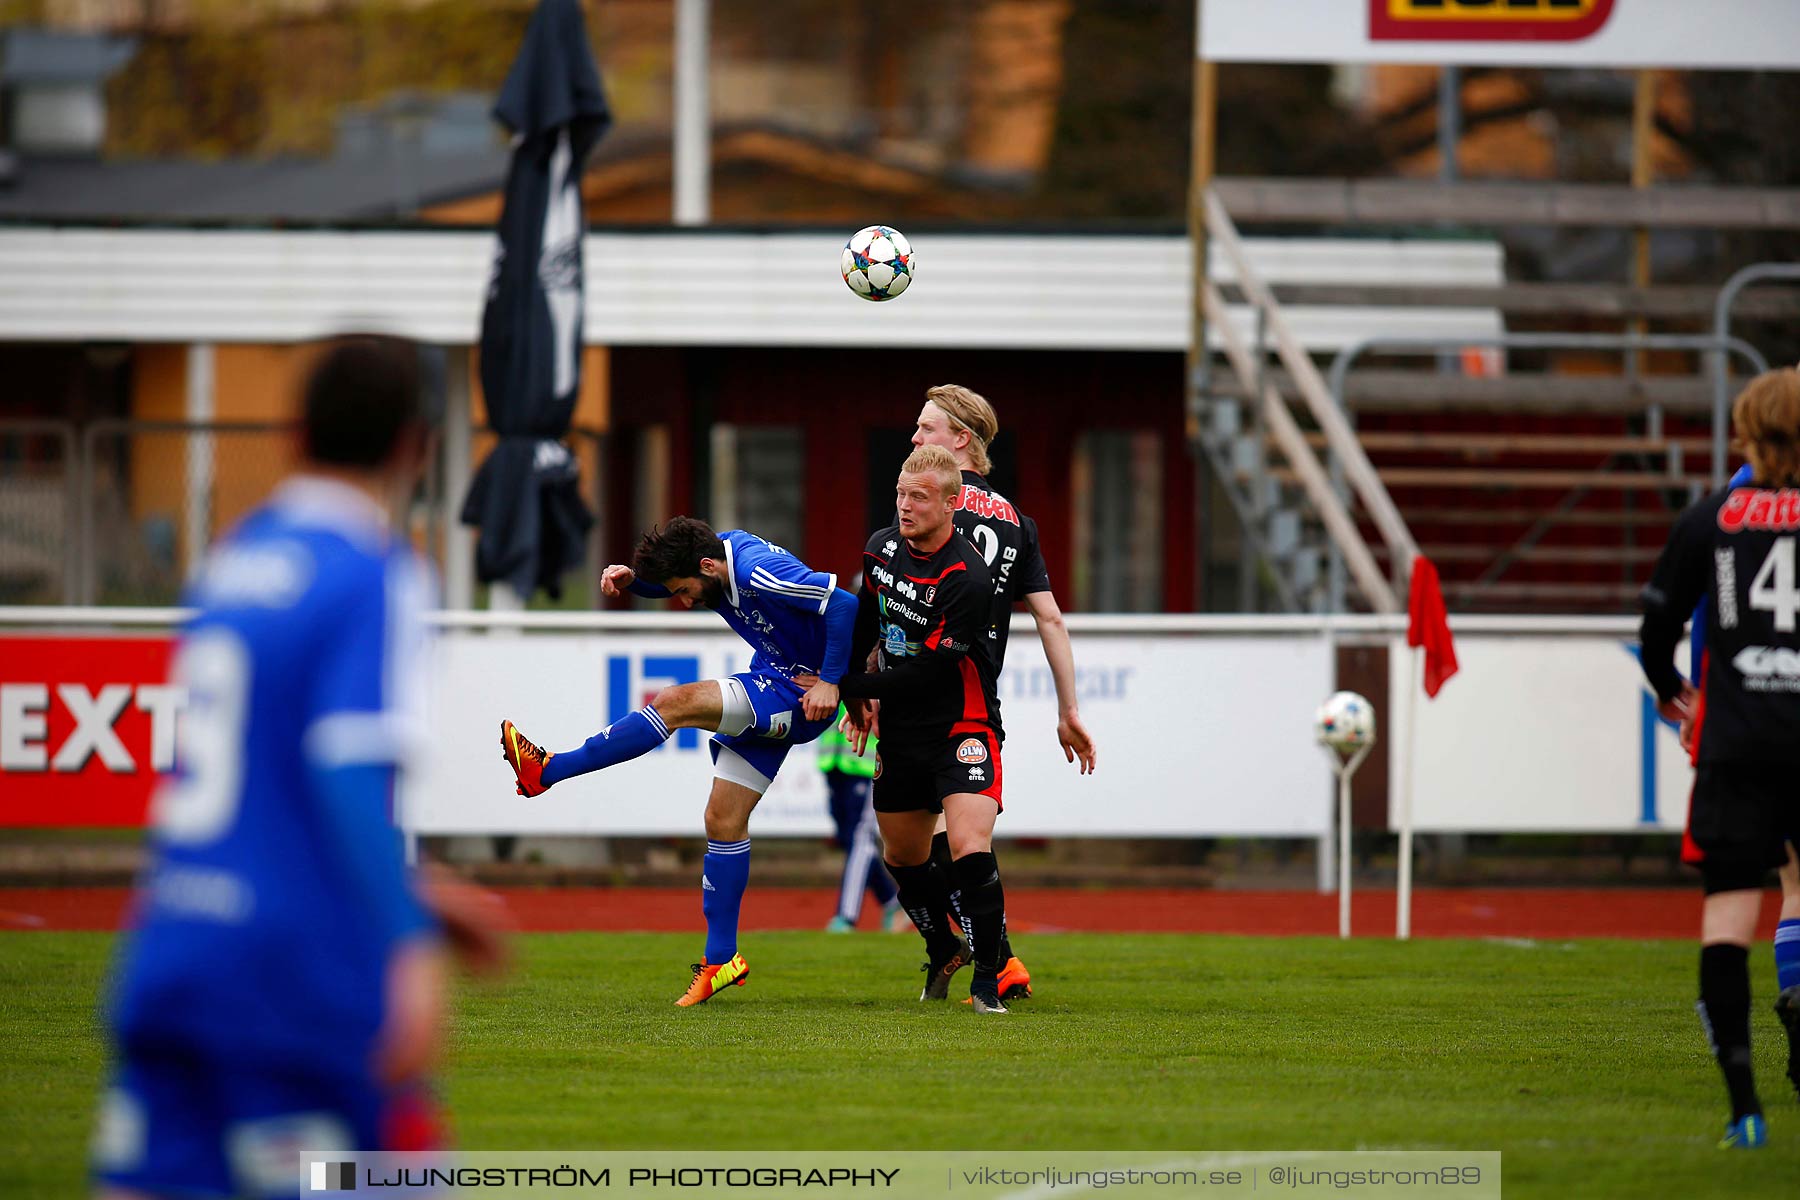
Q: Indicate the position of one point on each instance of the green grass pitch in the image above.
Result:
(1582, 1062)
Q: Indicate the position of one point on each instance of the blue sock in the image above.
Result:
(628, 737)
(1787, 953)
(725, 874)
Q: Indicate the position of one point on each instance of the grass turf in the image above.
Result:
(1583, 1062)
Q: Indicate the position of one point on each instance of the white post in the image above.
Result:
(459, 540)
(1403, 897)
(200, 408)
(693, 113)
(1345, 769)
(1343, 854)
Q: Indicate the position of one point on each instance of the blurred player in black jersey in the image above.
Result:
(964, 423)
(926, 606)
(1737, 549)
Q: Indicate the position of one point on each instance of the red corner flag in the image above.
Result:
(1428, 625)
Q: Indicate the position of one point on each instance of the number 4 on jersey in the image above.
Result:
(1773, 590)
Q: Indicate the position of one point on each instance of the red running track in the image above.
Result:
(1516, 913)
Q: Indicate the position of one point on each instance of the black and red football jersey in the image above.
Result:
(929, 615)
(1737, 548)
(1008, 542)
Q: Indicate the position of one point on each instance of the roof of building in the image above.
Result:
(711, 287)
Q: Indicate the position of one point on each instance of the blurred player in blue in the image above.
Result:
(1787, 931)
(798, 622)
(283, 986)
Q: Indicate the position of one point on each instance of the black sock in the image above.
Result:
(940, 857)
(982, 901)
(917, 897)
(1725, 1011)
(940, 861)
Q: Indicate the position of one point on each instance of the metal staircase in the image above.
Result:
(1291, 508)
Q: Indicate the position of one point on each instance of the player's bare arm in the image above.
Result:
(821, 699)
(475, 922)
(1077, 743)
(412, 1031)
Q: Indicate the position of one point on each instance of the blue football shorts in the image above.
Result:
(778, 727)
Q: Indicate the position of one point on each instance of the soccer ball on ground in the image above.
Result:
(878, 263)
(1345, 722)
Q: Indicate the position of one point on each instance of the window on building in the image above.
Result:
(759, 482)
(1118, 519)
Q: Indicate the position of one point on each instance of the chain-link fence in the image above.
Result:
(119, 512)
(38, 513)
(155, 494)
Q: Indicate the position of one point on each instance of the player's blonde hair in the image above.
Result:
(935, 460)
(968, 411)
(1766, 416)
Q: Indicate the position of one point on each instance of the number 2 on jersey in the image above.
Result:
(988, 542)
(1773, 590)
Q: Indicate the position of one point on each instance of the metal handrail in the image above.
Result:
(1330, 418)
(1313, 479)
(1728, 296)
(1715, 344)
(1622, 342)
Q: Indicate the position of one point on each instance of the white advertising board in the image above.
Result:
(1199, 736)
(1695, 34)
(1542, 734)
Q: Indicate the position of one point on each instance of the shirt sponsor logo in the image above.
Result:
(973, 750)
(893, 640)
(1487, 20)
(1760, 508)
(986, 505)
(1768, 663)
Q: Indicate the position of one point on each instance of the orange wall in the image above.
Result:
(261, 383)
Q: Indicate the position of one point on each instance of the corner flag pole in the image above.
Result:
(1403, 901)
(1345, 770)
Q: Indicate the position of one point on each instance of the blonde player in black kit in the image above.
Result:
(926, 605)
(964, 423)
(1737, 548)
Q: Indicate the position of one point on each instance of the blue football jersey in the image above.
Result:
(277, 888)
(776, 603)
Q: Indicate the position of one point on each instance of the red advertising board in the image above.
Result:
(1486, 20)
(86, 723)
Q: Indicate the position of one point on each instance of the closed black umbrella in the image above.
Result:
(526, 497)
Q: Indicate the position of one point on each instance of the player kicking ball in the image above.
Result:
(927, 604)
(799, 624)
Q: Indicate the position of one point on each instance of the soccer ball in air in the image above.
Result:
(879, 263)
(1345, 722)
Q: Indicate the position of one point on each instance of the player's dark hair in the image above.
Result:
(674, 551)
(361, 397)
